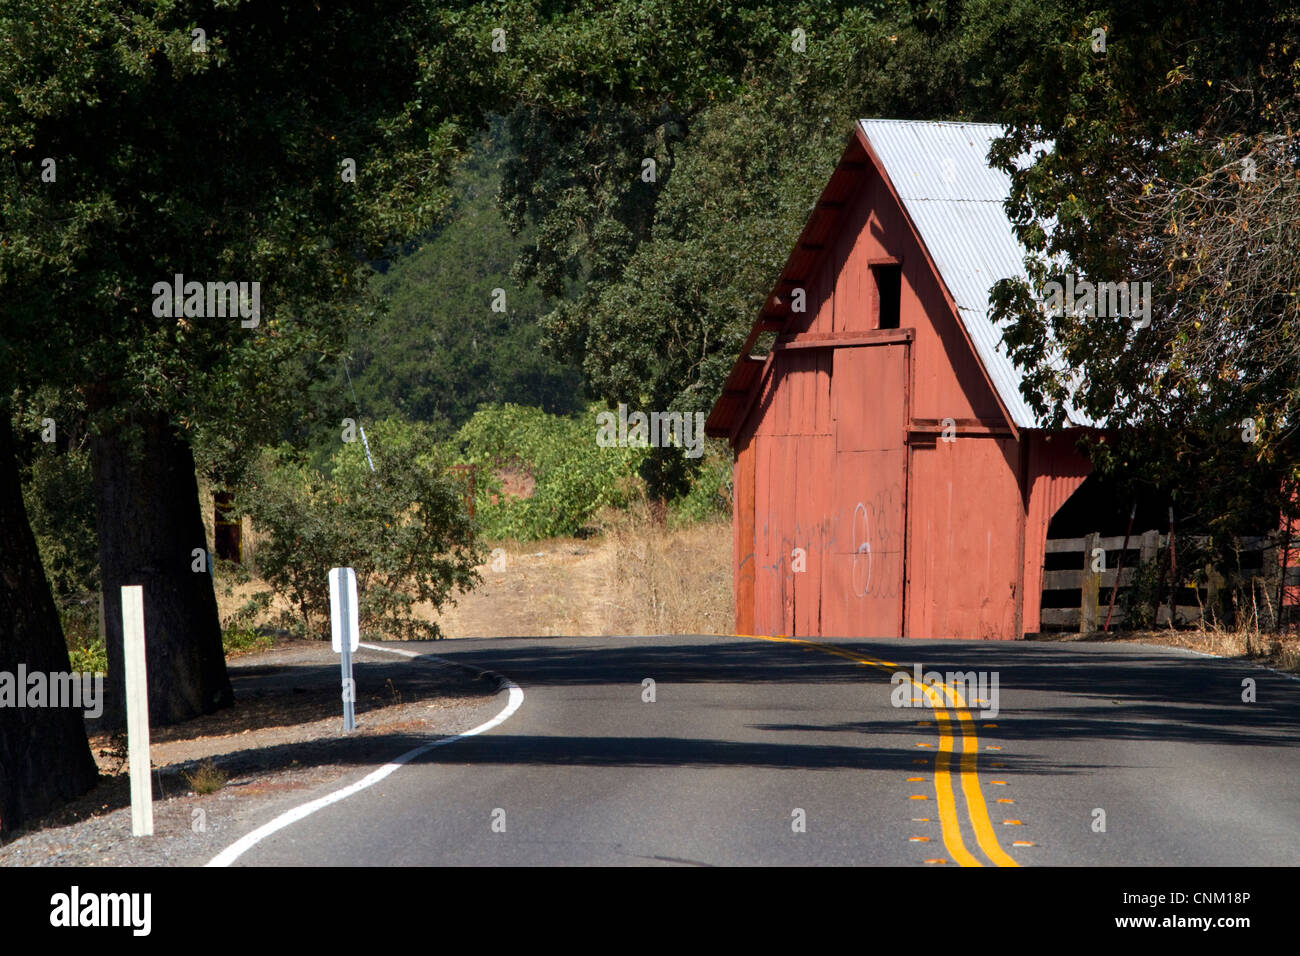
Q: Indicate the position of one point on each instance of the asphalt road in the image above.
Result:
(743, 733)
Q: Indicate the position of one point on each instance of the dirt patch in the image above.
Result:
(280, 744)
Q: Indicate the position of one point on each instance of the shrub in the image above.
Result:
(86, 650)
(1138, 599)
(245, 640)
(709, 495)
(403, 528)
(573, 477)
(207, 777)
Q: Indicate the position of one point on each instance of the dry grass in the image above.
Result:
(662, 581)
(532, 588)
(633, 578)
(206, 778)
(1279, 651)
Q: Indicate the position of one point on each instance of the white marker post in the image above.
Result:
(345, 633)
(137, 710)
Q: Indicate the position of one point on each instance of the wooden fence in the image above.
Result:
(1090, 613)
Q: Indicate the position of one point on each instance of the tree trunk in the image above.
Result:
(151, 534)
(44, 756)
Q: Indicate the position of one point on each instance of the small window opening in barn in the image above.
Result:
(889, 281)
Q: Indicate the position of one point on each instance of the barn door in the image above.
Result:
(862, 586)
(792, 455)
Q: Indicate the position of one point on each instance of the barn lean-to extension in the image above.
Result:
(890, 479)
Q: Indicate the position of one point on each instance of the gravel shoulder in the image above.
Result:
(282, 744)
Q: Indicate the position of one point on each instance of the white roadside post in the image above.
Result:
(345, 633)
(137, 710)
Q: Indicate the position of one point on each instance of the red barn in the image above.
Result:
(890, 480)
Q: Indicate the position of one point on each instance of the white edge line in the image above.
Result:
(246, 842)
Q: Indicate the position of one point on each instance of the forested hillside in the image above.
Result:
(440, 350)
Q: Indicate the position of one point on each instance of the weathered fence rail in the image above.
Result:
(1090, 577)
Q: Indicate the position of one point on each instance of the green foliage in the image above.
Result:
(574, 477)
(404, 529)
(239, 630)
(113, 91)
(1138, 600)
(655, 285)
(60, 507)
(1144, 182)
(439, 351)
(80, 620)
(710, 492)
(245, 640)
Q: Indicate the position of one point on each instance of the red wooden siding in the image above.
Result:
(838, 446)
(863, 583)
(963, 560)
(742, 525)
(1055, 471)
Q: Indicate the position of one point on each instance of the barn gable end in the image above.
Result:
(882, 480)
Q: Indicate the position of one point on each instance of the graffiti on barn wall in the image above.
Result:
(861, 550)
(875, 545)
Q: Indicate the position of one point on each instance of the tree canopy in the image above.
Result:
(1173, 162)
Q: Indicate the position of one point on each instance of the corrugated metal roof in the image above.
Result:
(941, 173)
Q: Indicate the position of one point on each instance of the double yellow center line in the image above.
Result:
(944, 766)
